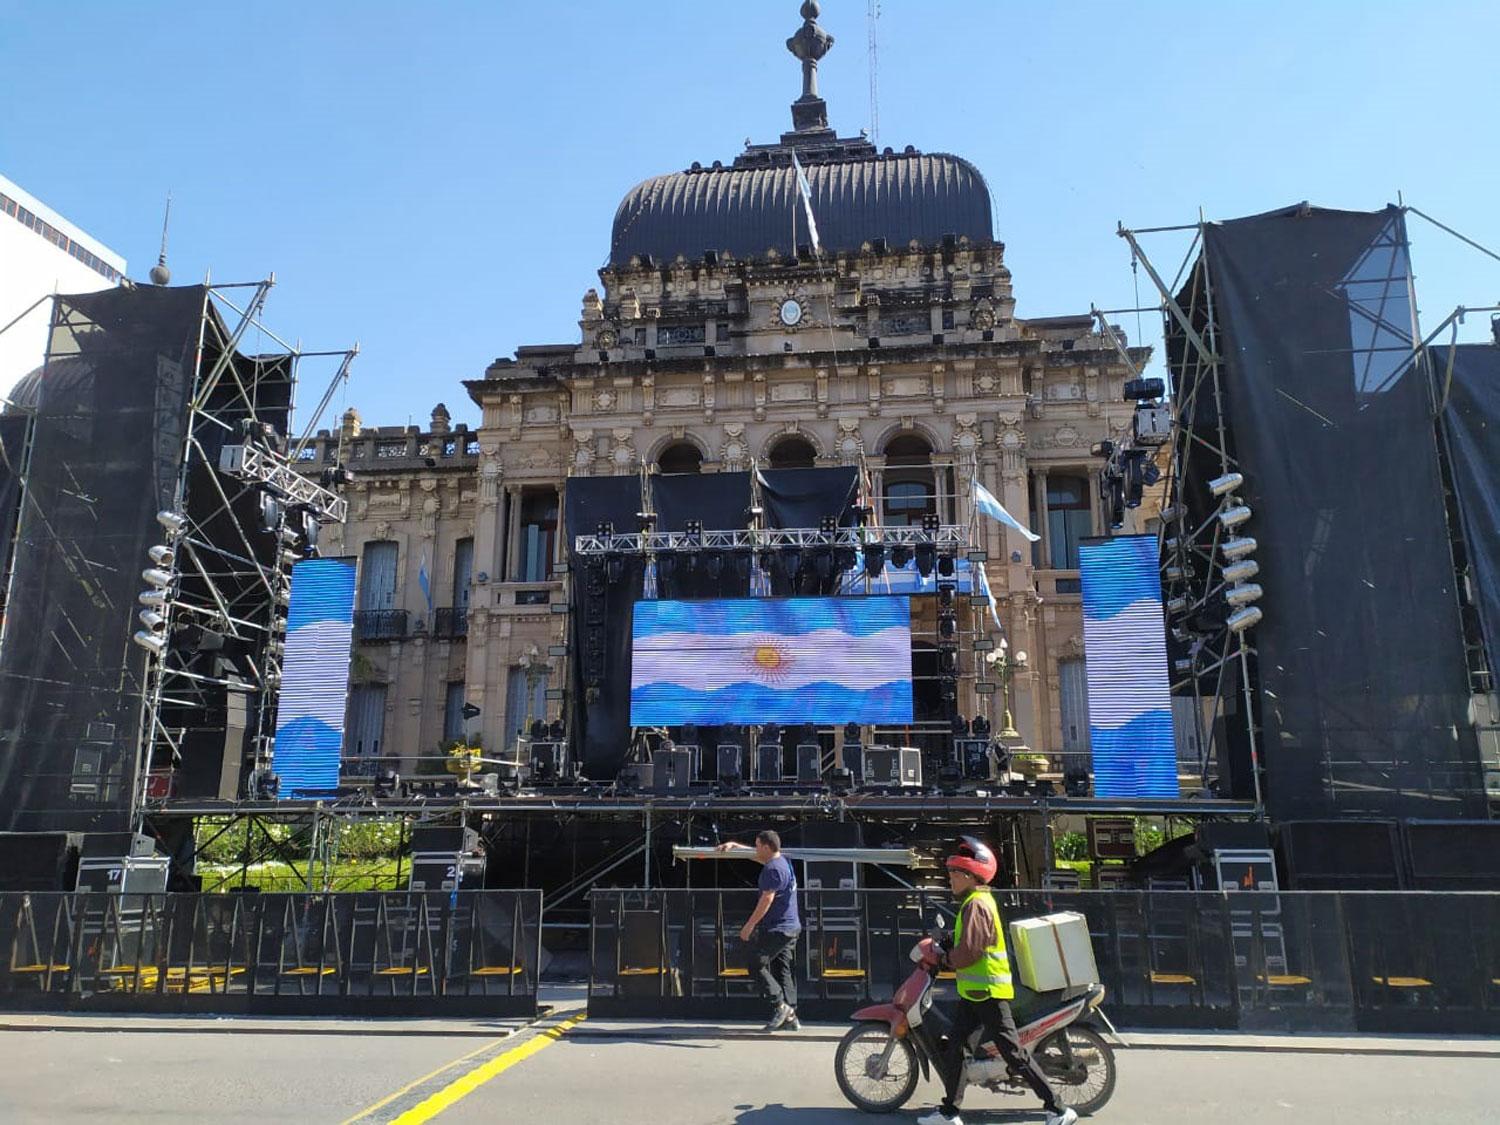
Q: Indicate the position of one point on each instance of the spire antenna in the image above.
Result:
(160, 274)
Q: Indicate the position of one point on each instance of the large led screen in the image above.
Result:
(765, 660)
(315, 677)
(1125, 650)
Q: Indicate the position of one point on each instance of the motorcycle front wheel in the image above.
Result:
(876, 1071)
(1081, 1067)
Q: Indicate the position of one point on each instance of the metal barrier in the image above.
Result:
(371, 953)
(1330, 961)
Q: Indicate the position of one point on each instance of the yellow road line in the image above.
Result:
(428, 1077)
(464, 1085)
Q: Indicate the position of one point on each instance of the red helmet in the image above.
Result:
(974, 856)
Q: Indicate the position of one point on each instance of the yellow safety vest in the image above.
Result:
(988, 977)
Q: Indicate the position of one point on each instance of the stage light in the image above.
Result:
(1136, 389)
(646, 521)
(1221, 486)
(172, 521)
(153, 598)
(270, 512)
(614, 567)
(980, 727)
(946, 591)
(840, 781)
(154, 642)
(1170, 543)
(1243, 594)
(945, 565)
(1172, 513)
(1242, 619)
(152, 620)
(901, 556)
(926, 555)
(949, 778)
(1174, 574)
(851, 732)
(1237, 548)
(287, 558)
(1183, 667)
(874, 559)
(1102, 449)
(267, 785)
(693, 529)
(1232, 517)
(161, 579)
(1177, 605)
(1241, 571)
(947, 626)
(387, 782)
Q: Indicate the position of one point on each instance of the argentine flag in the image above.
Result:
(984, 501)
(759, 660)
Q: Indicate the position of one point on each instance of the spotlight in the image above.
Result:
(162, 555)
(1172, 513)
(874, 559)
(1233, 517)
(1182, 667)
(980, 727)
(1242, 619)
(614, 567)
(1145, 388)
(946, 591)
(694, 530)
(1174, 574)
(947, 661)
(1102, 449)
(947, 626)
(901, 556)
(1237, 548)
(267, 785)
(161, 579)
(931, 524)
(153, 598)
(851, 732)
(646, 521)
(926, 559)
(387, 782)
(945, 565)
(1242, 594)
(604, 529)
(1170, 543)
(152, 642)
(1221, 486)
(153, 621)
(1177, 605)
(172, 521)
(1242, 570)
(828, 525)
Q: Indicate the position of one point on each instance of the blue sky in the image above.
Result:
(438, 181)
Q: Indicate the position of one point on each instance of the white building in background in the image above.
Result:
(41, 253)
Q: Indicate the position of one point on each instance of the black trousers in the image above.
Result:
(775, 954)
(999, 1025)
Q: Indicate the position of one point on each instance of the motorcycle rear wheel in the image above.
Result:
(858, 1054)
(1089, 1082)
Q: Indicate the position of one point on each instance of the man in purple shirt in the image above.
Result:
(775, 925)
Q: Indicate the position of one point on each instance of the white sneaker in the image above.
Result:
(936, 1117)
(778, 1017)
(1066, 1117)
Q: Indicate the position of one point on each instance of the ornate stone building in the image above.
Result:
(721, 337)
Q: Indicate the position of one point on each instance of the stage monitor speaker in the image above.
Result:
(1340, 855)
(731, 761)
(809, 763)
(672, 770)
(1453, 855)
(38, 861)
(890, 766)
(768, 761)
(444, 838)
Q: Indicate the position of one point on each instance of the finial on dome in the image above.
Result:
(160, 274)
(809, 45)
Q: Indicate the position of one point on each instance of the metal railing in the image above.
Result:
(451, 621)
(372, 953)
(1331, 961)
(380, 624)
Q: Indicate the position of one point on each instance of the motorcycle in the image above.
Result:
(880, 1058)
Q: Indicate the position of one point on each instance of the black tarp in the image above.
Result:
(1363, 689)
(600, 728)
(721, 501)
(805, 498)
(1471, 420)
(13, 432)
(108, 439)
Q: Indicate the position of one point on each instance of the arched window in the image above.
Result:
(680, 457)
(793, 452)
(910, 486)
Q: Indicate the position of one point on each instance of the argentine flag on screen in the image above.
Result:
(763, 660)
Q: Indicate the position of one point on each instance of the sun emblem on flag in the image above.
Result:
(769, 659)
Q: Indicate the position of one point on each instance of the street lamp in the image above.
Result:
(1004, 666)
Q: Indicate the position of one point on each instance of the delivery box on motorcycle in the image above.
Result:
(1053, 952)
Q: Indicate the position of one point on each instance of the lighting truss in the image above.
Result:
(954, 537)
(226, 608)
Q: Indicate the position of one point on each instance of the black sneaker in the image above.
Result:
(779, 1018)
(792, 1022)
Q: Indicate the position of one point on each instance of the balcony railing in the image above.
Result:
(451, 621)
(380, 624)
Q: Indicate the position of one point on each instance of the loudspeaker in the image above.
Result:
(893, 766)
(731, 761)
(672, 770)
(1453, 855)
(1340, 855)
(809, 763)
(440, 838)
(213, 755)
(38, 861)
(768, 761)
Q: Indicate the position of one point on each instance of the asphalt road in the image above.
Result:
(644, 1075)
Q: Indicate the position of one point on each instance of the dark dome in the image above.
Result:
(748, 210)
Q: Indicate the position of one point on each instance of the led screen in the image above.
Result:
(1125, 650)
(315, 677)
(764, 660)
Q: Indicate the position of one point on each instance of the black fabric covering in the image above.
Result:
(802, 497)
(1472, 422)
(721, 501)
(109, 423)
(1363, 691)
(13, 430)
(599, 729)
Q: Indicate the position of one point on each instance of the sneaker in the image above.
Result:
(792, 1022)
(1066, 1117)
(938, 1117)
(778, 1017)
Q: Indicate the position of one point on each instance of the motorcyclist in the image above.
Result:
(981, 967)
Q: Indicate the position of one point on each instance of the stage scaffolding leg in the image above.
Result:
(648, 847)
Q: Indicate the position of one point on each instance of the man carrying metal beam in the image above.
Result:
(774, 925)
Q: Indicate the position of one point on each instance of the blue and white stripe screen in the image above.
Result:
(1125, 648)
(771, 660)
(314, 677)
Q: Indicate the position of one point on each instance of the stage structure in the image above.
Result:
(159, 517)
(1313, 608)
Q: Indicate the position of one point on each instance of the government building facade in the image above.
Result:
(719, 339)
